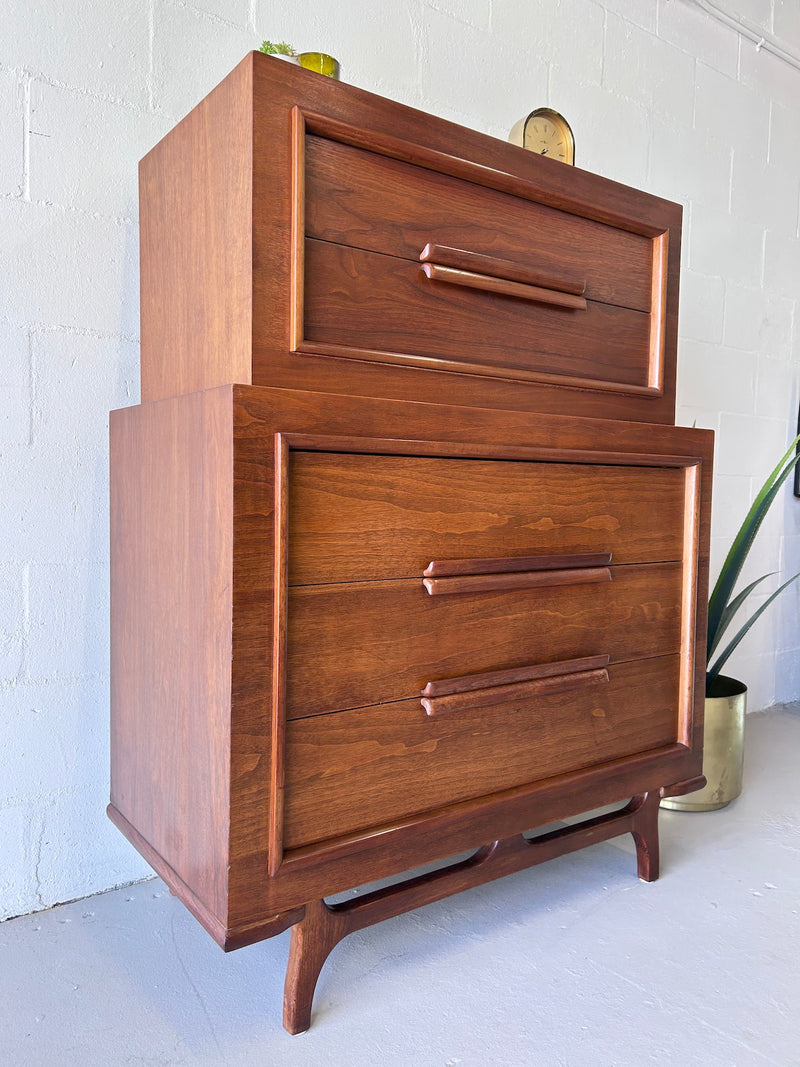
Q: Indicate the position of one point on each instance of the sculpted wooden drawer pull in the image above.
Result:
(483, 690)
(441, 568)
(457, 266)
(461, 259)
(486, 583)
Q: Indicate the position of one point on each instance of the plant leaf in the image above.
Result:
(714, 670)
(734, 561)
(731, 609)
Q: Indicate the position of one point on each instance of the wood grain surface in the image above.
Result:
(223, 207)
(353, 644)
(374, 765)
(322, 423)
(377, 303)
(368, 201)
(171, 618)
(366, 517)
(195, 248)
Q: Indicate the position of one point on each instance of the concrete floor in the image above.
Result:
(572, 963)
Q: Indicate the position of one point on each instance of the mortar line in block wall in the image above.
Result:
(82, 331)
(31, 409)
(26, 138)
(151, 33)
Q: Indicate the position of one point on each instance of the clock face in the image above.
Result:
(548, 134)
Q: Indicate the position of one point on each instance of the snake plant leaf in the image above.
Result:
(734, 561)
(714, 670)
(732, 608)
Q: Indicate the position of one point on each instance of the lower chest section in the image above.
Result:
(457, 627)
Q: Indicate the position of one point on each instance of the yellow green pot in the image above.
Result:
(320, 62)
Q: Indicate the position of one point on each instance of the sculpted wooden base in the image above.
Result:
(323, 925)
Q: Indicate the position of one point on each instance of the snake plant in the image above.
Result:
(721, 607)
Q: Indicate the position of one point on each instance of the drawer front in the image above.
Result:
(357, 644)
(365, 517)
(377, 303)
(365, 200)
(372, 766)
(405, 264)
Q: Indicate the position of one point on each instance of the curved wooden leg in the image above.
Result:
(323, 926)
(644, 828)
(312, 941)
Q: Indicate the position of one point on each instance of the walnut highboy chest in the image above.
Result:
(408, 557)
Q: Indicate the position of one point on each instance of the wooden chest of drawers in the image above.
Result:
(406, 559)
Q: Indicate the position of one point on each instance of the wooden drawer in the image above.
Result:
(365, 200)
(359, 517)
(405, 263)
(371, 766)
(355, 644)
(365, 301)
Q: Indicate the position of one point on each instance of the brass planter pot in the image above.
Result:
(723, 749)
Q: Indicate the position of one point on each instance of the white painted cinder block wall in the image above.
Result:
(659, 96)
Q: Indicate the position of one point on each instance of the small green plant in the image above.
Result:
(721, 608)
(281, 49)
